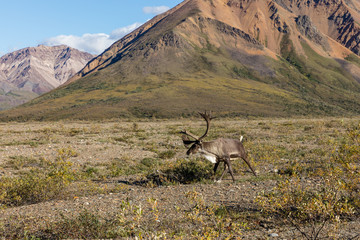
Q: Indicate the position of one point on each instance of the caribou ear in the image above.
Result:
(186, 140)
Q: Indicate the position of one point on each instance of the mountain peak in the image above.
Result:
(263, 20)
(35, 70)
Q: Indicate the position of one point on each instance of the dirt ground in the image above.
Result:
(99, 145)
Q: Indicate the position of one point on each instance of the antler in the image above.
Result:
(207, 116)
(190, 135)
(187, 141)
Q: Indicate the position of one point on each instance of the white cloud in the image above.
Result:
(155, 10)
(93, 43)
(120, 32)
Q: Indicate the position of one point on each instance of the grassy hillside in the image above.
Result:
(9, 99)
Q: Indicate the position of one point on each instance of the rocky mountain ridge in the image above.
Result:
(32, 71)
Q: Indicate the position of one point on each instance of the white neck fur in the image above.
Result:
(209, 156)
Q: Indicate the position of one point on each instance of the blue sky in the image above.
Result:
(89, 25)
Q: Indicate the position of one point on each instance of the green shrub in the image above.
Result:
(167, 154)
(38, 185)
(183, 171)
(91, 171)
(150, 162)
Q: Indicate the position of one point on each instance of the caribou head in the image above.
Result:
(197, 143)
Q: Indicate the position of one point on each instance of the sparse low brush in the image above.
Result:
(85, 225)
(40, 184)
(330, 193)
(127, 222)
(199, 221)
(212, 221)
(346, 159)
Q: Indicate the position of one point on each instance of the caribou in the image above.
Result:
(216, 151)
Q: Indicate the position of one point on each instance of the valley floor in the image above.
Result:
(127, 179)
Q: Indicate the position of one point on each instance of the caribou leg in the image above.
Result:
(230, 168)
(215, 168)
(247, 162)
(227, 163)
(223, 173)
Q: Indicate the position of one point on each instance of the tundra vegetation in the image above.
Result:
(131, 179)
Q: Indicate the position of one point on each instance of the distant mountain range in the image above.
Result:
(29, 72)
(236, 57)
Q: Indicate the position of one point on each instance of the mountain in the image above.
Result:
(236, 57)
(29, 72)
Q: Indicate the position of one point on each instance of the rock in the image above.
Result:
(273, 235)
(306, 27)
